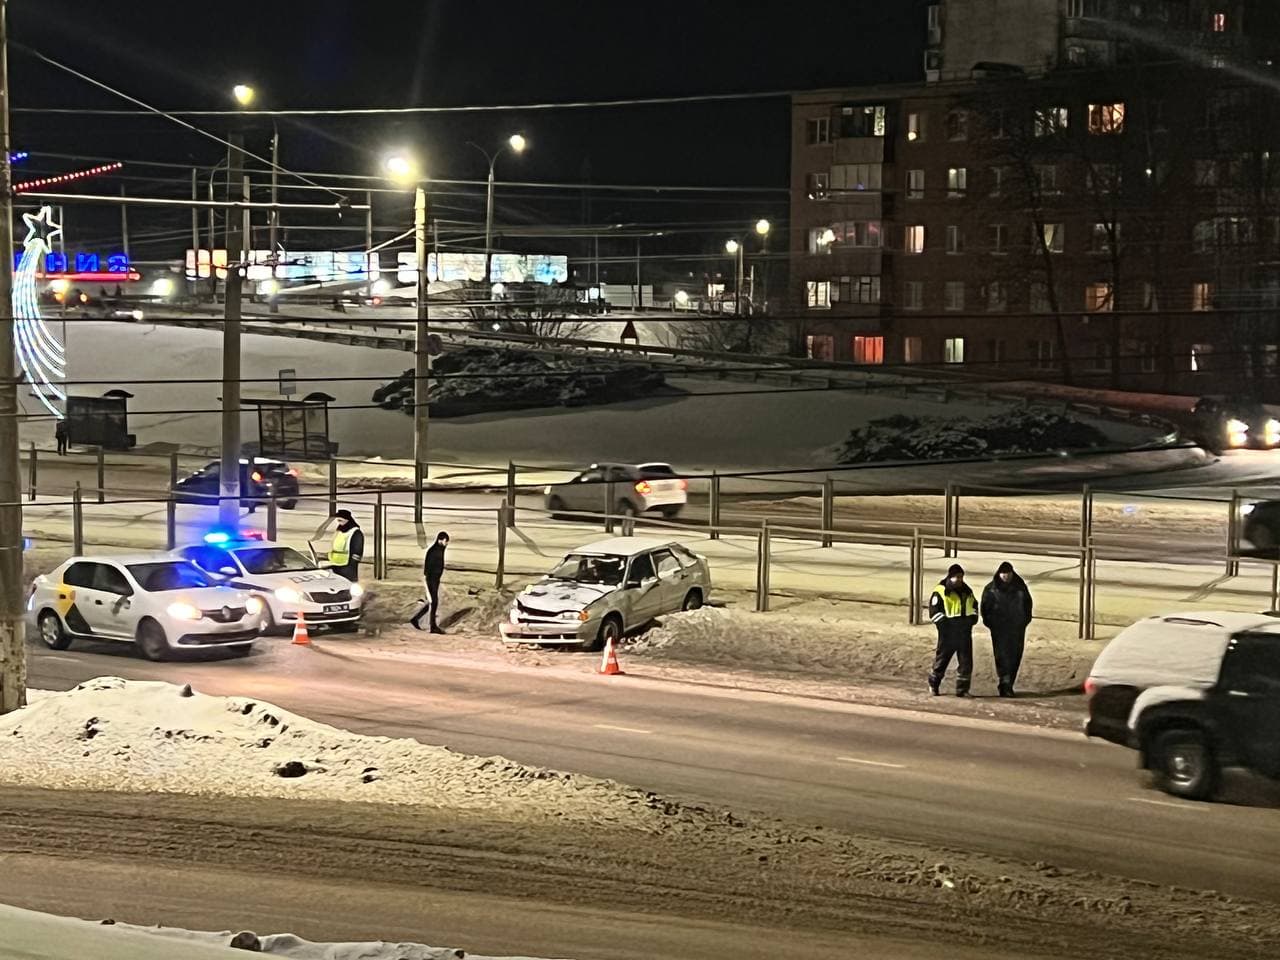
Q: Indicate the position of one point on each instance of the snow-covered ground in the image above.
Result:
(39, 936)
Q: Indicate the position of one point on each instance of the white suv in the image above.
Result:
(287, 582)
(153, 600)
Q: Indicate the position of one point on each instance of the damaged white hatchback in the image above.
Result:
(602, 591)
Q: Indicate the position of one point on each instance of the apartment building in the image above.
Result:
(1080, 189)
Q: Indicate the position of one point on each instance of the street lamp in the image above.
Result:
(763, 227)
(404, 170)
(516, 143)
(244, 94)
(736, 250)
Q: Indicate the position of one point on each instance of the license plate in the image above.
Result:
(337, 607)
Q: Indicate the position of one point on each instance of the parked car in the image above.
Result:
(1262, 525)
(1233, 423)
(602, 591)
(256, 480)
(1192, 693)
(156, 601)
(287, 582)
(637, 489)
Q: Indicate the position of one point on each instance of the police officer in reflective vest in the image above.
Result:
(953, 608)
(348, 547)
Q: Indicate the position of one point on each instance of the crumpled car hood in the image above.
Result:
(557, 595)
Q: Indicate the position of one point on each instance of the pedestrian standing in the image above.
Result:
(1006, 612)
(432, 572)
(347, 549)
(954, 610)
(60, 435)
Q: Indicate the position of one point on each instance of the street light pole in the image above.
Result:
(13, 662)
(273, 221)
(421, 353)
(516, 143)
(229, 473)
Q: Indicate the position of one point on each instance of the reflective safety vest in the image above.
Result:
(340, 552)
(954, 605)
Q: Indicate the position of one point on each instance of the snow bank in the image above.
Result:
(150, 737)
(39, 936)
(839, 647)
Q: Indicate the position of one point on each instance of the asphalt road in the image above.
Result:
(1014, 792)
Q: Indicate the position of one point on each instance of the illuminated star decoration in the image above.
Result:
(43, 358)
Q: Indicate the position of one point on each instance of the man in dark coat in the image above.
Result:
(954, 610)
(432, 572)
(1006, 612)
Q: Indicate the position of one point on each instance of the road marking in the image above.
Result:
(874, 763)
(609, 726)
(1167, 803)
(54, 656)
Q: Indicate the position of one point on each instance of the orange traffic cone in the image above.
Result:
(301, 637)
(609, 663)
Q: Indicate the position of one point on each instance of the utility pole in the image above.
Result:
(368, 246)
(13, 663)
(229, 481)
(421, 353)
(195, 233)
(273, 222)
(124, 224)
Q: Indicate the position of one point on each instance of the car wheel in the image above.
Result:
(1184, 764)
(671, 512)
(555, 506)
(269, 625)
(611, 629)
(692, 600)
(286, 504)
(152, 641)
(52, 633)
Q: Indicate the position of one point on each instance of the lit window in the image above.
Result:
(820, 347)
(953, 350)
(819, 185)
(915, 184)
(915, 127)
(953, 295)
(913, 238)
(1098, 297)
(955, 239)
(819, 130)
(868, 350)
(1106, 118)
(1054, 237)
(1200, 353)
(1219, 22)
(957, 125)
(1202, 296)
(819, 292)
(957, 181)
(998, 238)
(862, 121)
(1050, 120)
(913, 350)
(913, 295)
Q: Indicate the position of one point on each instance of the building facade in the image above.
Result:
(1084, 190)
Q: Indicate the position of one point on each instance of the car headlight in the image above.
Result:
(181, 610)
(288, 595)
(546, 491)
(357, 591)
(1271, 430)
(254, 606)
(1237, 426)
(575, 615)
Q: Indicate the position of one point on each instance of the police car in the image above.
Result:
(156, 601)
(288, 582)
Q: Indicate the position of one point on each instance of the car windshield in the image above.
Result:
(273, 560)
(657, 471)
(163, 577)
(579, 568)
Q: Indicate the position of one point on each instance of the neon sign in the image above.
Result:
(42, 357)
(83, 267)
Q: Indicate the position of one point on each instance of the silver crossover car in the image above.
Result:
(600, 592)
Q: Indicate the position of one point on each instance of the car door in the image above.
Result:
(643, 591)
(1250, 682)
(76, 595)
(113, 614)
(585, 493)
(673, 580)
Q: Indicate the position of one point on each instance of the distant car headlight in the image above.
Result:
(1271, 431)
(1237, 433)
(181, 610)
(254, 606)
(357, 591)
(288, 595)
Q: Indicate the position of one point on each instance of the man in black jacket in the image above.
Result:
(954, 610)
(432, 571)
(1006, 611)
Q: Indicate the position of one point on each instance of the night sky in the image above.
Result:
(344, 53)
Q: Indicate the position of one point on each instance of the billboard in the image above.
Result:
(506, 268)
(321, 266)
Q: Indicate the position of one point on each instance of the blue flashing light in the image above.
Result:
(19, 156)
(217, 538)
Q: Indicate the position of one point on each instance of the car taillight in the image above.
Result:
(684, 484)
(1090, 688)
(643, 488)
(257, 477)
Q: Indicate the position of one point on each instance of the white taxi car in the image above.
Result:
(156, 601)
(600, 592)
(287, 582)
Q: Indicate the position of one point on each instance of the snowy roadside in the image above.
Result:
(40, 936)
